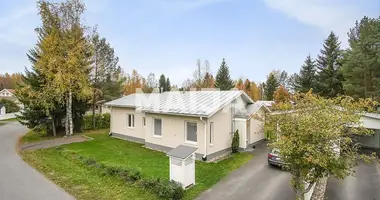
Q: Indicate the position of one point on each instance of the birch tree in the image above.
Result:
(66, 64)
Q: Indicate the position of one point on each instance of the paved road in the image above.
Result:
(255, 180)
(19, 181)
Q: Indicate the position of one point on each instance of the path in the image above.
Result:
(19, 181)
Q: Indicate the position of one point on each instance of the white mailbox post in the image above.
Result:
(182, 165)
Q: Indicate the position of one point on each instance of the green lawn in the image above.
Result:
(3, 122)
(85, 182)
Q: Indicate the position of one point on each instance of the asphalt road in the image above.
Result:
(258, 181)
(19, 181)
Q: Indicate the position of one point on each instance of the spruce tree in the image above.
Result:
(361, 67)
(223, 79)
(306, 79)
(329, 68)
(270, 87)
(168, 86)
(162, 83)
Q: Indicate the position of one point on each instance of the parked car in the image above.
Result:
(274, 158)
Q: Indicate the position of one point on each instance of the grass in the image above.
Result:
(35, 136)
(9, 120)
(84, 182)
(4, 121)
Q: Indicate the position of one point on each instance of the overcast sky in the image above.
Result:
(168, 36)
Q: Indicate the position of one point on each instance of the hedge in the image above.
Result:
(101, 121)
(164, 189)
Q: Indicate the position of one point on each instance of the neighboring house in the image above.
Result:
(10, 95)
(3, 110)
(202, 119)
(268, 104)
(371, 121)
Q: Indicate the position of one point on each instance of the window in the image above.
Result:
(143, 121)
(191, 132)
(157, 127)
(211, 132)
(131, 121)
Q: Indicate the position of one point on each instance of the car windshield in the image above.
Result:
(275, 151)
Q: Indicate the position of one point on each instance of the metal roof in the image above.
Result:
(193, 103)
(182, 151)
(250, 110)
(132, 101)
(266, 103)
(189, 103)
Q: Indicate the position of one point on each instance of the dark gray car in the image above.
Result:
(274, 158)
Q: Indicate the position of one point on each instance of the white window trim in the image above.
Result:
(143, 121)
(133, 121)
(188, 141)
(162, 128)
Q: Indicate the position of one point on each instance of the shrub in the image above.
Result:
(149, 183)
(113, 170)
(134, 175)
(10, 106)
(90, 161)
(235, 142)
(101, 121)
(169, 190)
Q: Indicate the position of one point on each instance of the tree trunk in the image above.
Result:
(93, 110)
(319, 190)
(53, 126)
(71, 112)
(67, 117)
(94, 90)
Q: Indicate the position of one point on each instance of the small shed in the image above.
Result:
(182, 165)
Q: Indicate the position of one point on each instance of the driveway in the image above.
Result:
(258, 181)
(19, 181)
(365, 184)
(255, 180)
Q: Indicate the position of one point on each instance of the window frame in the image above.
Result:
(154, 127)
(143, 121)
(132, 121)
(196, 133)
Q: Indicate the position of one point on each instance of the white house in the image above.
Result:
(201, 119)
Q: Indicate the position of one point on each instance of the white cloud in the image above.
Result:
(325, 14)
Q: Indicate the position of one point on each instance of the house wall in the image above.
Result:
(173, 132)
(222, 135)
(119, 125)
(257, 127)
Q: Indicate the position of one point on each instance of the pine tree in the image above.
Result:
(306, 79)
(162, 83)
(223, 80)
(361, 67)
(329, 68)
(270, 87)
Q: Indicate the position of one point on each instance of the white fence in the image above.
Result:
(8, 116)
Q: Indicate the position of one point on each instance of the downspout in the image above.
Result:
(204, 158)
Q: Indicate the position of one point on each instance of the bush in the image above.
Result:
(10, 106)
(235, 142)
(134, 175)
(164, 189)
(101, 121)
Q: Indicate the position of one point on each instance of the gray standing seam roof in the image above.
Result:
(190, 103)
(182, 151)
